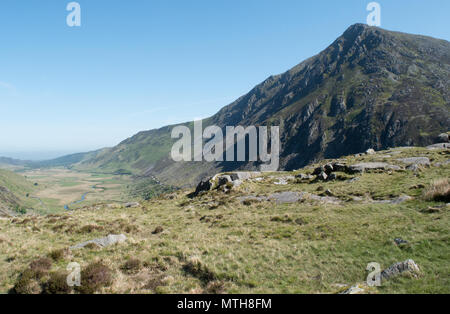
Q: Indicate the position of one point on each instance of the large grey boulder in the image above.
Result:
(102, 242)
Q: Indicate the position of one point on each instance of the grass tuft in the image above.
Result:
(438, 191)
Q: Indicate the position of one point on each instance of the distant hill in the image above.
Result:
(371, 88)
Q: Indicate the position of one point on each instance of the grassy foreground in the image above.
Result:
(216, 243)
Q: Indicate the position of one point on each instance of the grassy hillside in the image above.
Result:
(15, 191)
(247, 240)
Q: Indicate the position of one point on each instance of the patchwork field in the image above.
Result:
(60, 187)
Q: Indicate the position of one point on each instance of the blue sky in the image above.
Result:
(141, 64)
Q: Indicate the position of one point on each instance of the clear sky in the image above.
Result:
(141, 64)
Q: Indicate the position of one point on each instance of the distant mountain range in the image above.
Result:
(371, 88)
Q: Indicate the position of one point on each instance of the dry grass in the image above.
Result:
(438, 191)
(304, 247)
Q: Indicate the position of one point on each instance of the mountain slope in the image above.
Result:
(14, 189)
(371, 88)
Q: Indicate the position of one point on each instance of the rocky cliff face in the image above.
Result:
(371, 88)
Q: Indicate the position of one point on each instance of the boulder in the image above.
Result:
(443, 138)
(204, 186)
(322, 176)
(286, 197)
(318, 170)
(340, 167)
(102, 242)
(415, 161)
(328, 169)
(223, 180)
(400, 241)
(408, 266)
(356, 289)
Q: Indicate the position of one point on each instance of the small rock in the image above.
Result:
(158, 230)
(131, 205)
(400, 241)
(300, 221)
(244, 175)
(281, 181)
(302, 176)
(353, 180)
(322, 176)
(356, 289)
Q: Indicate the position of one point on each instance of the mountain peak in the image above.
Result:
(371, 88)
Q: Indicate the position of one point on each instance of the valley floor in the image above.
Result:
(255, 238)
(59, 188)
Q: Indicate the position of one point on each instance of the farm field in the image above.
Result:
(59, 189)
